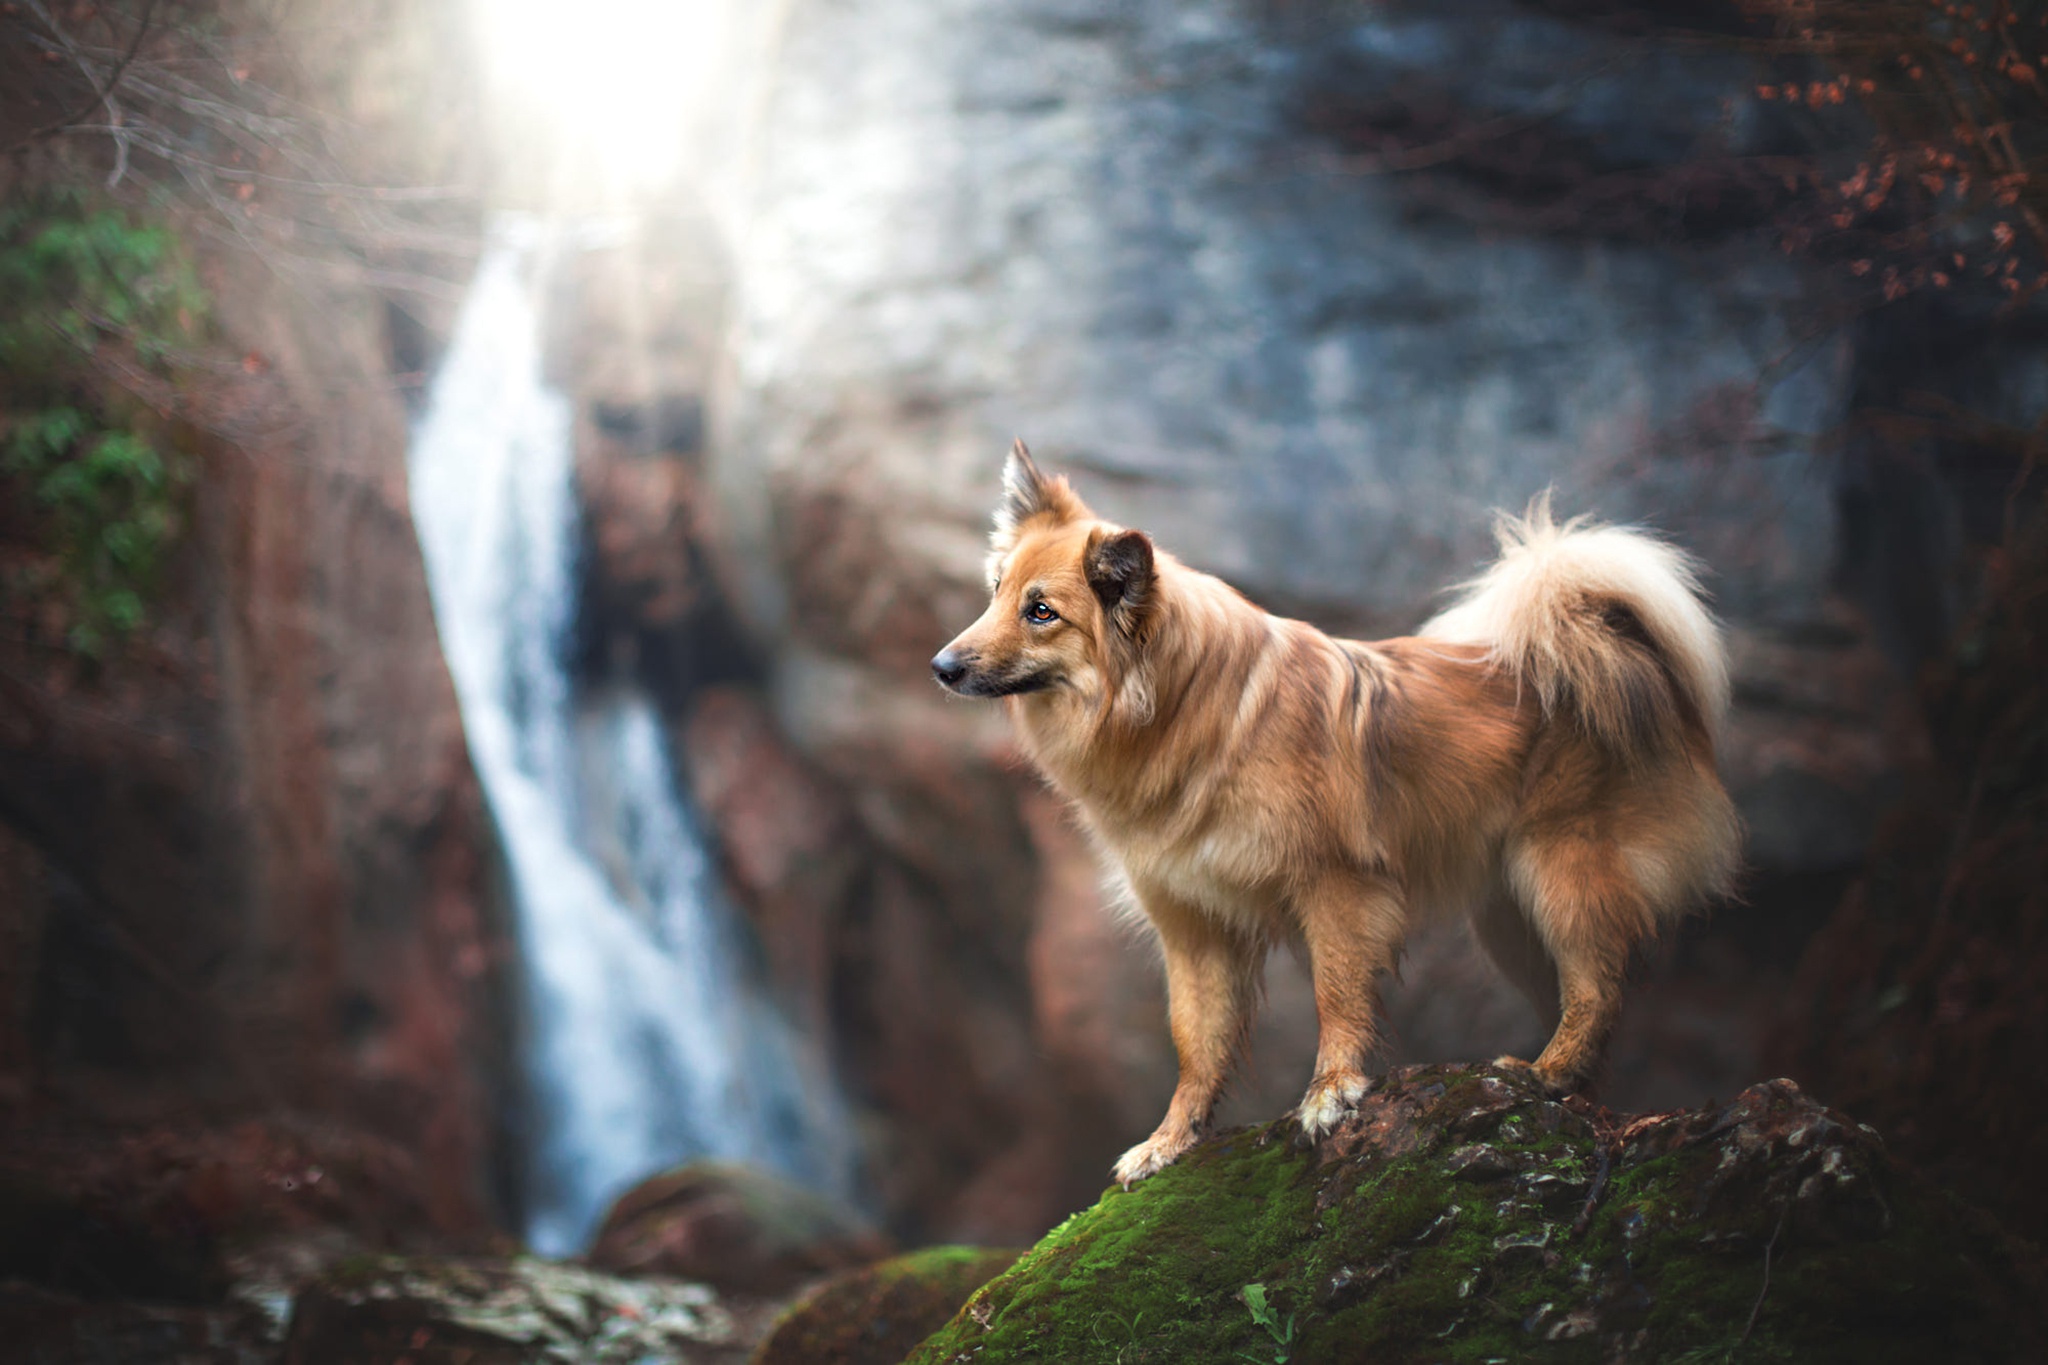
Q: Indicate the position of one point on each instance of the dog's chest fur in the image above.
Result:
(1203, 841)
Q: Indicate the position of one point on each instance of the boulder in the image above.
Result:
(878, 1315)
(48, 1328)
(379, 1310)
(741, 1229)
(190, 1215)
(1461, 1214)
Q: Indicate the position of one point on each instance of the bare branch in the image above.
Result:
(102, 88)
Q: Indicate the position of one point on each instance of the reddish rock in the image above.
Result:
(178, 1214)
(789, 844)
(258, 878)
(731, 1226)
(1923, 1003)
(878, 1315)
(639, 511)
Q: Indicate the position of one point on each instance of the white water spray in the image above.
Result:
(647, 1036)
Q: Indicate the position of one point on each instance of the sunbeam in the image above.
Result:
(612, 90)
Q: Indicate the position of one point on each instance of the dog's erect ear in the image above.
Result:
(1120, 571)
(1026, 492)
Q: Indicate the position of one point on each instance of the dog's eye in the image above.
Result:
(1041, 613)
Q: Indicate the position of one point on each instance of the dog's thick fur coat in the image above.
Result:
(1539, 757)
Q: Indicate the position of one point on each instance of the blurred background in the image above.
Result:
(480, 484)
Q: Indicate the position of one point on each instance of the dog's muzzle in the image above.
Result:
(949, 667)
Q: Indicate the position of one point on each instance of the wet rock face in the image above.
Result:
(1462, 1215)
(1134, 239)
(1129, 235)
(878, 1315)
(248, 867)
(520, 1312)
(733, 1227)
(1924, 1004)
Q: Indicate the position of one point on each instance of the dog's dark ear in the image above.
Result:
(1026, 492)
(1120, 571)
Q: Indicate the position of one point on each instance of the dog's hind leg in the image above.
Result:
(1590, 913)
(1212, 983)
(1517, 950)
(1353, 926)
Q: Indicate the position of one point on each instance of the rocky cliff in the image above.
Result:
(1240, 269)
(247, 867)
(1158, 241)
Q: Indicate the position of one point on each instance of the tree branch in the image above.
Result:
(102, 91)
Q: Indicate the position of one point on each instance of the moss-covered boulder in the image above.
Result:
(1461, 1215)
(876, 1315)
(737, 1227)
(518, 1311)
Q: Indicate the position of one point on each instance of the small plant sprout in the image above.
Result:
(1265, 1315)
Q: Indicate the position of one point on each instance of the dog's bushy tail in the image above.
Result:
(1605, 622)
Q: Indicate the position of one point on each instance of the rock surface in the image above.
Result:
(1134, 238)
(191, 1216)
(1924, 1003)
(46, 1328)
(878, 1315)
(733, 1227)
(1139, 236)
(1461, 1215)
(521, 1312)
(246, 866)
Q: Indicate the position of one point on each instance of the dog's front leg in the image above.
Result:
(1212, 974)
(1353, 925)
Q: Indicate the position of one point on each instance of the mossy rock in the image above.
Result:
(1461, 1215)
(735, 1227)
(876, 1315)
(377, 1310)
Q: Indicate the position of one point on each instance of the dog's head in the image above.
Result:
(1069, 597)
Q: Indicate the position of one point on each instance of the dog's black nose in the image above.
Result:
(949, 667)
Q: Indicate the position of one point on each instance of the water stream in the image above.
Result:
(648, 1036)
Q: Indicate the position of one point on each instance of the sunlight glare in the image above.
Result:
(617, 81)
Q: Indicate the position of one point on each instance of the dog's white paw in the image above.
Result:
(1328, 1100)
(1151, 1156)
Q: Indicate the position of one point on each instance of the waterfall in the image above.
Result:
(648, 1037)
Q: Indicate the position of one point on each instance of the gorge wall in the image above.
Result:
(247, 868)
(1144, 238)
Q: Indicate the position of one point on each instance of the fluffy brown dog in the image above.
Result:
(1539, 757)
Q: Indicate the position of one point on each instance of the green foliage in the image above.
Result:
(92, 291)
(1121, 1341)
(1266, 1316)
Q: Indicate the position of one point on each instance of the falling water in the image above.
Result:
(648, 1038)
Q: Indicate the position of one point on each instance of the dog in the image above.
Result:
(1538, 757)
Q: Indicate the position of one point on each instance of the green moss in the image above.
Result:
(1467, 1218)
